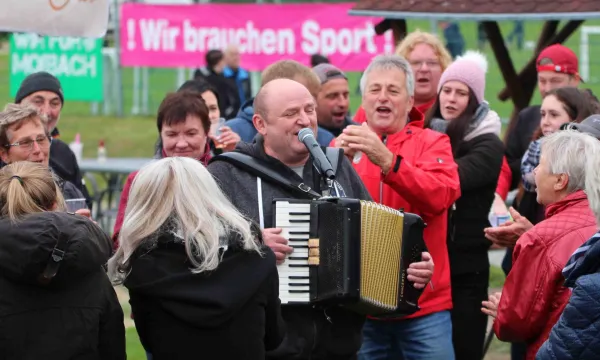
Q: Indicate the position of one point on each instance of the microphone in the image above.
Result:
(307, 137)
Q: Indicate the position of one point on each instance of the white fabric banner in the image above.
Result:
(77, 18)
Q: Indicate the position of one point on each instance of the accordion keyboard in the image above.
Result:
(294, 274)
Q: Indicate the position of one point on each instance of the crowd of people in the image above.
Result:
(196, 245)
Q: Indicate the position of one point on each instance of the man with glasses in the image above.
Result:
(24, 137)
(44, 91)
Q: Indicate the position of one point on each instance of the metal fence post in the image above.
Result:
(118, 72)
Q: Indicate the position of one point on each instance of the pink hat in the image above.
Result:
(470, 70)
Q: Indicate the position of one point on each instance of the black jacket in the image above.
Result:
(69, 191)
(479, 161)
(232, 312)
(519, 138)
(228, 96)
(77, 315)
(316, 334)
(517, 142)
(64, 163)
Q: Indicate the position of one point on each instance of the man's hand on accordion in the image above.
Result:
(421, 272)
(277, 243)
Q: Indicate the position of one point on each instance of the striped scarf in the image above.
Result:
(575, 265)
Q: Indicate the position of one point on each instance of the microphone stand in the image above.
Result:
(325, 182)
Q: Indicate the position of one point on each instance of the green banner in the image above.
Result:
(76, 62)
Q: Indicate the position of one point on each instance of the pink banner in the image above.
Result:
(180, 35)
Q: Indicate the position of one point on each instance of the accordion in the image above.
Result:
(351, 253)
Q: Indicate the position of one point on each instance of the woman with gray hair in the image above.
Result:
(200, 281)
(24, 137)
(533, 297)
(576, 335)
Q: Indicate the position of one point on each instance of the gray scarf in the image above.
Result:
(441, 125)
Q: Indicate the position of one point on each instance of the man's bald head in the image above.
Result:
(282, 108)
(272, 92)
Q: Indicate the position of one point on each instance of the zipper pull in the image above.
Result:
(327, 316)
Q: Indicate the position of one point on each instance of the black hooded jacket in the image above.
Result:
(77, 314)
(232, 312)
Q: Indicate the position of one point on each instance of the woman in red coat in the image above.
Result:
(533, 297)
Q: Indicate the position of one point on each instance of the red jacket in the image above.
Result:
(533, 296)
(504, 180)
(425, 183)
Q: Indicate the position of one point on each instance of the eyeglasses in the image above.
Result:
(419, 63)
(27, 144)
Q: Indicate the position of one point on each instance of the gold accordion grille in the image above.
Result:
(381, 244)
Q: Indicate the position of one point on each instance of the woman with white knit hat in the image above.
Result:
(461, 112)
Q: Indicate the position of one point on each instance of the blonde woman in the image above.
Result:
(201, 282)
(56, 301)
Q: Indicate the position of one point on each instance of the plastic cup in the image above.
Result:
(75, 204)
(215, 130)
(498, 219)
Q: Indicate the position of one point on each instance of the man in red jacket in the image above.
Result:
(406, 167)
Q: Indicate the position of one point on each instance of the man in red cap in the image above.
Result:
(557, 66)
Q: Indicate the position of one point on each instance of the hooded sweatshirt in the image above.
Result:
(232, 312)
(77, 314)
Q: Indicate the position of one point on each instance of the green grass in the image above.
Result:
(497, 277)
(135, 351)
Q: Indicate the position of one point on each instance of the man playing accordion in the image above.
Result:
(282, 108)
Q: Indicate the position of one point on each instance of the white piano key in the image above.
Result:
(280, 223)
(288, 271)
(294, 289)
(299, 252)
(288, 280)
(295, 298)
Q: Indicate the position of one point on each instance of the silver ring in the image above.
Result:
(343, 143)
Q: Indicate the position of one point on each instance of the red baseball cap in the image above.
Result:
(558, 58)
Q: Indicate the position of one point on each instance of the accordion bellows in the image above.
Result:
(349, 252)
(381, 248)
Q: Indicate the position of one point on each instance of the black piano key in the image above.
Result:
(299, 213)
(298, 265)
(298, 257)
(298, 277)
(298, 246)
(299, 233)
(299, 221)
(298, 291)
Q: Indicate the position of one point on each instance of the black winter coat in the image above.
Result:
(232, 312)
(479, 161)
(77, 315)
